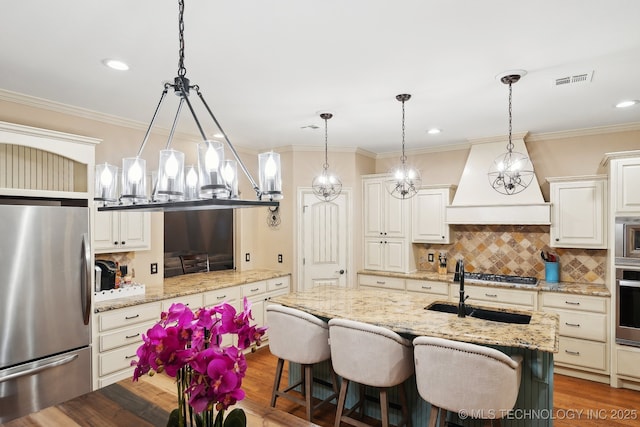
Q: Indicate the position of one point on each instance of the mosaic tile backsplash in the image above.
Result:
(513, 250)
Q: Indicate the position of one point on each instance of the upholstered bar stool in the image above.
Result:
(302, 338)
(457, 376)
(373, 356)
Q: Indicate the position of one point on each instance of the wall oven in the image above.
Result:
(628, 306)
(627, 241)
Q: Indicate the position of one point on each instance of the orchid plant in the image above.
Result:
(187, 345)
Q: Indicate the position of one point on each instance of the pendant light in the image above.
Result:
(326, 186)
(405, 181)
(512, 171)
(214, 186)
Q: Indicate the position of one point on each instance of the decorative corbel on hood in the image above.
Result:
(475, 202)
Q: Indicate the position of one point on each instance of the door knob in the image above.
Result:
(341, 271)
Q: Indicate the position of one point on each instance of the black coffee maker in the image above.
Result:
(108, 275)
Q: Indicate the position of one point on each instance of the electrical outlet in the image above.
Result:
(154, 268)
(280, 258)
(247, 257)
(430, 257)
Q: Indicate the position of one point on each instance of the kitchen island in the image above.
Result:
(405, 314)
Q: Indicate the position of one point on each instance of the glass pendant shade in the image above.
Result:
(511, 173)
(170, 184)
(191, 191)
(269, 175)
(210, 159)
(134, 180)
(326, 186)
(106, 183)
(230, 175)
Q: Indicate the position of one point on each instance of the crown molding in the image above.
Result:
(317, 148)
(576, 133)
(429, 150)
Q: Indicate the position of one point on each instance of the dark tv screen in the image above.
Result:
(203, 237)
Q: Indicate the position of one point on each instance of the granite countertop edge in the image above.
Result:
(588, 289)
(190, 284)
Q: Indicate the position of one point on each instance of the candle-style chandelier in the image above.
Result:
(326, 186)
(405, 181)
(511, 172)
(212, 184)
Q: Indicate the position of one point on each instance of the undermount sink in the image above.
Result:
(482, 313)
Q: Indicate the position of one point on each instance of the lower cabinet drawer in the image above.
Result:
(495, 295)
(254, 289)
(194, 302)
(629, 363)
(427, 287)
(590, 326)
(587, 354)
(128, 316)
(381, 282)
(213, 298)
(124, 337)
(116, 360)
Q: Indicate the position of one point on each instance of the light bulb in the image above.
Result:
(411, 174)
(228, 173)
(171, 167)
(270, 168)
(211, 159)
(399, 175)
(192, 178)
(135, 173)
(106, 178)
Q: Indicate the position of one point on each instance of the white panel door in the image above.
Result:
(325, 234)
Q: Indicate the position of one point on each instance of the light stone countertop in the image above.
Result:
(591, 289)
(405, 313)
(189, 284)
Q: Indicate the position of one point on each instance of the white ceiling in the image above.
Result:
(267, 67)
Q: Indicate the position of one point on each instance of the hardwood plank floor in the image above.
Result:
(576, 402)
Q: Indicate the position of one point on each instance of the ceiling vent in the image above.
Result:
(573, 79)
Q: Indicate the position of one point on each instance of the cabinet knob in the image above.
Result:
(123, 242)
(115, 243)
(557, 239)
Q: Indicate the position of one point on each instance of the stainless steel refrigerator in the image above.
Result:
(45, 303)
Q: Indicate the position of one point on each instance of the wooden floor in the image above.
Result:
(576, 402)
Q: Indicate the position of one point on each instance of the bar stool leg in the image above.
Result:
(406, 417)
(308, 379)
(384, 407)
(276, 383)
(343, 395)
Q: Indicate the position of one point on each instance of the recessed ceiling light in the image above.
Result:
(434, 131)
(625, 104)
(114, 64)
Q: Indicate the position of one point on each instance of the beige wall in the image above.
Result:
(551, 156)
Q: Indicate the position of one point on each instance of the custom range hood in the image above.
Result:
(476, 202)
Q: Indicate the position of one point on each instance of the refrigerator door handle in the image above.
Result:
(85, 278)
(38, 368)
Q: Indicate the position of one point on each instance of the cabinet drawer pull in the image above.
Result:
(131, 317)
(576, 325)
(491, 295)
(255, 289)
(221, 297)
(572, 303)
(132, 336)
(130, 357)
(573, 353)
(426, 287)
(279, 284)
(380, 282)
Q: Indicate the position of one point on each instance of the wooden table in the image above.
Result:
(138, 404)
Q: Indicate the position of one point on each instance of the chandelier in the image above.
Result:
(213, 184)
(326, 186)
(405, 181)
(511, 172)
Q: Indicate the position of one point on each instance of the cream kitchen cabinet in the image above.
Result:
(121, 231)
(579, 212)
(625, 173)
(118, 336)
(428, 215)
(583, 334)
(497, 297)
(430, 287)
(259, 294)
(387, 228)
(381, 282)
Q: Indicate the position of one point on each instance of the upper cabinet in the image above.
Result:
(626, 175)
(579, 212)
(121, 231)
(384, 215)
(428, 215)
